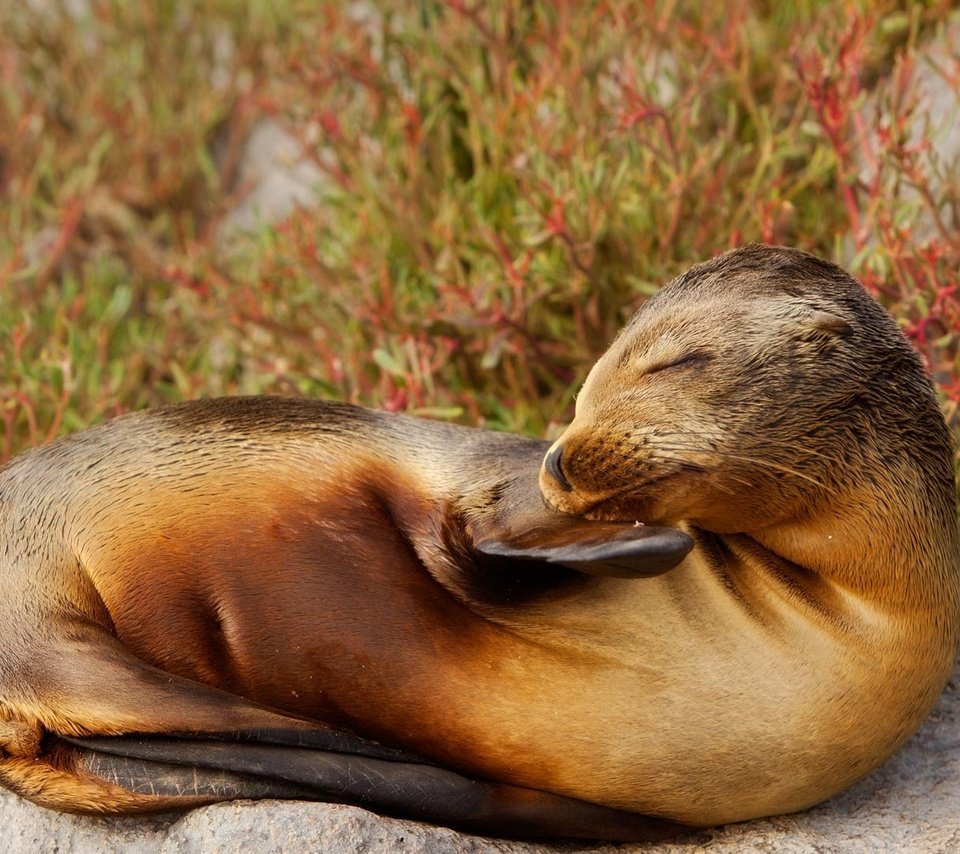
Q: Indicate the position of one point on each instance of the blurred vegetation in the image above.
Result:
(505, 182)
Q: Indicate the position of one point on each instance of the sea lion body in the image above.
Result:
(344, 566)
(299, 555)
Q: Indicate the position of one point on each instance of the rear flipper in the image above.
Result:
(398, 784)
(89, 685)
(199, 745)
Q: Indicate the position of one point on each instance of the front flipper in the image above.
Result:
(617, 550)
(511, 521)
(403, 786)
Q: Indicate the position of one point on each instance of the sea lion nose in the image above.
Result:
(553, 463)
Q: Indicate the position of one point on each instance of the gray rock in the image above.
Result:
(911, 804)
(276, 178)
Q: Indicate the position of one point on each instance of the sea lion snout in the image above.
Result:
(579, 472)
(568, 472)
(553, 466)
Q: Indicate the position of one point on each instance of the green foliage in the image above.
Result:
(506, 182)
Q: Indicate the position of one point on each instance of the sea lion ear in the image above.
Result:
(832, 323)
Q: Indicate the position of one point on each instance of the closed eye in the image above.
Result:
(689, 360)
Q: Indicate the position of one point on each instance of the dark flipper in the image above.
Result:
(618, 550)
(326, 738)
(207, 769)
(516, 524)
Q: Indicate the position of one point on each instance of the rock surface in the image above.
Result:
(277, 178)
(911, 804)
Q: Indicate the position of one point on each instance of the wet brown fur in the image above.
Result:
(253, 562)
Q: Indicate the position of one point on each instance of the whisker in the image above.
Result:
(751, 461)
(695, 469)
(762, 440)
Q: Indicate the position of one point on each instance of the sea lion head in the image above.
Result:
(752, 389)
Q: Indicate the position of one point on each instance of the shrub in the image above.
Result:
(506, 182)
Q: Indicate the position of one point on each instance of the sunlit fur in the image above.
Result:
(764, 401)
(192, 568)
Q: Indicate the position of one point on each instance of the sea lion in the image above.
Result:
(268, 598)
